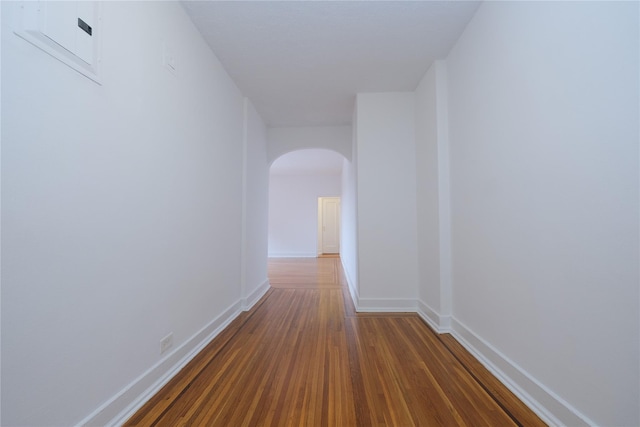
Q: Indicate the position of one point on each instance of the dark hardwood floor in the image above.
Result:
(303, 357)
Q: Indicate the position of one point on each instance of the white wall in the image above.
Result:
(121, 214)
(427, 194)
(349, 219)
(285, 139)
(544, 185)
(433, 197)
(293, 212)
(387, 229)
(256, 207)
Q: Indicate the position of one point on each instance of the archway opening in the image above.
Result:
(299, 181)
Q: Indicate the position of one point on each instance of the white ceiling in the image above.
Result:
(302, 62)
(308, 162)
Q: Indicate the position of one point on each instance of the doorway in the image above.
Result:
(328, 225)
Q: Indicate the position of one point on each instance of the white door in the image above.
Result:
(330, 222)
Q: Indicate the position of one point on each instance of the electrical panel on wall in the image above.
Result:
(67, 30)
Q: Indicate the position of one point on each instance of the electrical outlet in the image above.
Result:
(166, 343)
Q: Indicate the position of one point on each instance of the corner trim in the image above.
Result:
(355, 298)
(439, 323)
(251, 299)
(550, 407)
(124, 404)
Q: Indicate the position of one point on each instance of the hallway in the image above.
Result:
(302, 356)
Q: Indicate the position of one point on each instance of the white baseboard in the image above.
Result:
(293, 255)
(126, 402)
(439, 323)
(351, 286)
(250, 300)
(550, 407)
(390, 305)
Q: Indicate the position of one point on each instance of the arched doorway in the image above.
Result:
(298, 182)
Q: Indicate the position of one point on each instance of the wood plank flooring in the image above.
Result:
(303, 357)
